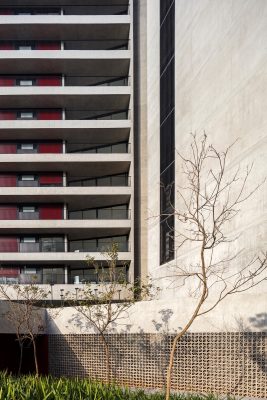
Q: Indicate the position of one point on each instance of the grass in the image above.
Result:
(49, 388)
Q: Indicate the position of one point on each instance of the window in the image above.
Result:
(27, 146)
(25, 82)
(28, 209)
(24, 47)
(29, 270)
(27, 178)
(28, 239)
(167, 128)
(25, 115)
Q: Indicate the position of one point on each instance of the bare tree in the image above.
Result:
(105, 307)
(209, 200)
(24, 314)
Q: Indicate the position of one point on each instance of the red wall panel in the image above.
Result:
(9, 244)
(6, 12)
(48, 46)
(7, 46)
(50, 179)
(6, 81)
(8, 180)
(9, 271)
(51, 212)
(49, 115)
(6, 115)
(50, 148)
(49, 81)
(8, 212)
(8, 148)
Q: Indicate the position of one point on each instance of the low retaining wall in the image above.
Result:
(233, 363)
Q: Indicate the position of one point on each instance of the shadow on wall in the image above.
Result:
(258, 352)
(204, 362)
(134, 356)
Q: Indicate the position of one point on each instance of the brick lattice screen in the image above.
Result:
(205, 362)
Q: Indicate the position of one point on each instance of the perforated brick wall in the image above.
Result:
(205, 362)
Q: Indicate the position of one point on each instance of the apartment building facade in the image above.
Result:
(66, 139)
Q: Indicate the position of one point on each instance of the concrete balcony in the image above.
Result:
(72, 258)
(98, 164)
(72, 227)
(74, 196)
(95, 131)
(97, 98)
(64, 27)
(86, 62)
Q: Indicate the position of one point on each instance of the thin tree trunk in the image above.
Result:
(35, 356)
(20, 357)
(185, 329)
(107, 355)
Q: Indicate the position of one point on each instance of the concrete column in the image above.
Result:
(65, 212)
(64, 179)
(66, 274)
(65, 243)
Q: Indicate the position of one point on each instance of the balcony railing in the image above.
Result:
(42, 247)
(101, 213)
(52, 45)
(33, 147)
(13, 214)
(97, 148)
(65, 9)
(57, 114)
(27, 81)
(74, 276)
(97, 245)
(106, 181)
(96, 114)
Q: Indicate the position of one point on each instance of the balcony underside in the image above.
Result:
(79, 98)
(83, 131)
(80, 165)
(64, 27)
(86, 62)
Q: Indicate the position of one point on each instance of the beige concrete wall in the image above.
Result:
(221, 59)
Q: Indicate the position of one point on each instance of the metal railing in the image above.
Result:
(105, 181)
(98, 148)
(73, 147)
(97, 245)
(101, 213)
(70, 114)
(74, 277)
(69, 80)
(96, 114)
(66, 9)
(56, 45)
